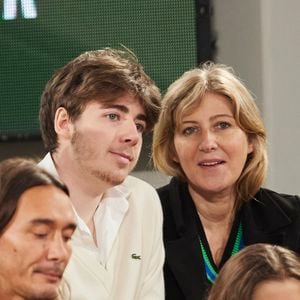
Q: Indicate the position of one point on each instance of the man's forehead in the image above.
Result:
(124, 99)
(44, 202)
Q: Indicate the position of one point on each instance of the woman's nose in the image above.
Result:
(208, 141)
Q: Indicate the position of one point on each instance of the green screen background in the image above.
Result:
(161, 33)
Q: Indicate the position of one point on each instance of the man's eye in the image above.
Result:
(112, 117)
(223, 125)
(140, 127)
(189, 130)
(67, 238)
(40, 235)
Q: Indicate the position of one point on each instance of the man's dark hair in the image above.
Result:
(16, 176)
(100, 75)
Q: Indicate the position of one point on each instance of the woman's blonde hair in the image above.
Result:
(184, 95)
(253, 265)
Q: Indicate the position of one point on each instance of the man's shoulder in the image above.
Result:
(47, 164)
(135, 184)
(141, 192)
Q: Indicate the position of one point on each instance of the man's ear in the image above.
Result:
(62, 124)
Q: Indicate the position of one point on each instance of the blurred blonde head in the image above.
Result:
(253, 265)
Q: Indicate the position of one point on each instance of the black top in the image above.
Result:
(269, 217)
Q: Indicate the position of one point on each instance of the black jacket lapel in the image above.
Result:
(264, 220)
(185, 261)
(183, 253)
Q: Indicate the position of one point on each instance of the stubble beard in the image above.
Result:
(37, 294)
(110, 177)
(84, 157)
(44, 296)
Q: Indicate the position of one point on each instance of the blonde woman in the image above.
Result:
(210, 138)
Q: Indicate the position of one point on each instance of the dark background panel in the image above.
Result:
(162, 33)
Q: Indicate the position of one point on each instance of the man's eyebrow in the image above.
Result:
(49, 222)
(120, 107)
(44, 221)
(124, 109)
(141, 117)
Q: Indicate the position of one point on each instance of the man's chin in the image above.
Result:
(47, 284)
(44, 291)
(111, 178)
(116, 180)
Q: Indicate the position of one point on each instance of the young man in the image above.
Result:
(93, 114)
(36, 225)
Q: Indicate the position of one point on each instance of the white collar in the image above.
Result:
(108, 216)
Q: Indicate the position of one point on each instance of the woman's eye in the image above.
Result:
(189, 130)
(223, 125)
(112, 117)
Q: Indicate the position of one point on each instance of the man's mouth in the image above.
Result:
(123, 155)
(52, 275)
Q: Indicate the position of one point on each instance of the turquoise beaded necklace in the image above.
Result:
(211, 273)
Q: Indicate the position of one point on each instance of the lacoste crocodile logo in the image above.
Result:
(134, 256)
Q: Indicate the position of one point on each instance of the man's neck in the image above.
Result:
(85, 193)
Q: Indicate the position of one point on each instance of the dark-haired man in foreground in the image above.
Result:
(36, 225)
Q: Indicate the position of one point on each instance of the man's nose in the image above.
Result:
(129, 133)
(59, 249)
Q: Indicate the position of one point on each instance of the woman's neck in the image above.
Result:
(214, 209)
(217, 216)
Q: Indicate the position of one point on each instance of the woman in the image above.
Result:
(259, 272)
(211, 139)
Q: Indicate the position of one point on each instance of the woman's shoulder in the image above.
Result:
(286, 202)
(274, 218)
(172, 187)
(172, 194)
(164, 192)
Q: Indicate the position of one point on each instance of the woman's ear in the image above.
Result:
(174, 156)
(250, 144)
(62, 123)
